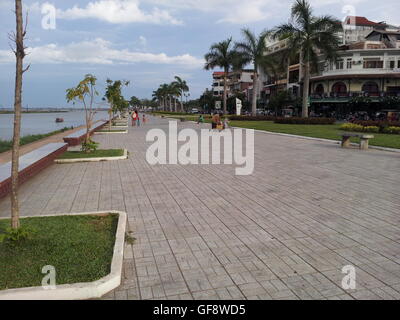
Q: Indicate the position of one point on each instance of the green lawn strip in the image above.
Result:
(79, 247)
(317, 131)
(6, 145)
(94, 154)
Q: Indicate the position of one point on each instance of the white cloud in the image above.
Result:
(98, 51)
(248, 11)
(232, 11)
(118, 11)
(142, 41)
(6, 4)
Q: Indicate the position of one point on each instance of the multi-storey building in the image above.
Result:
(369, 68)
(368, 65)
(237, 82)
(355, 29)
(218, 84)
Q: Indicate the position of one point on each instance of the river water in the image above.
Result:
(40, 123)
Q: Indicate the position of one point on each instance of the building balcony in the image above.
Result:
(346, 96)
(373, 72)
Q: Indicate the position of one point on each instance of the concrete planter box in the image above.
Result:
(79, 291)
(123, 157)
(111, 132)
(30, 164)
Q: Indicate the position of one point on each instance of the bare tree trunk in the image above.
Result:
(175, 105)
(18, 38)
(225, 92)
(254, 97)
(306, 86)
(109, 117)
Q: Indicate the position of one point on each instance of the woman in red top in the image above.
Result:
(134, 118)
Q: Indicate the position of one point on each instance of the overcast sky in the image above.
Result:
(145, 41)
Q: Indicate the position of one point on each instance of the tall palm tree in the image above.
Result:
(253, 49)
(182, 86)
(164, 94)
(310, 36)
(223, 55)
(157, 97)
(173, 92)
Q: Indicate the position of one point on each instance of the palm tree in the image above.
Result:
(158, 97)
(310, 36)
(164, 94)
(173, 92)
(253, 50)
(223, 56)
(183, 87)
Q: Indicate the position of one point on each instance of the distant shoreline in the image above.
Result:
(12, 112)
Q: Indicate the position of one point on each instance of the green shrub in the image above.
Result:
(392, 130)
(89, 146)
(366, 126)
(374, 129)
(351, 127)
(172, 113)
(378, 123)
(16, 235)
(295, 120)
(252, 118)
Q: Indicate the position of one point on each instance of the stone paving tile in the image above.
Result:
(285, 232)
(206, 295)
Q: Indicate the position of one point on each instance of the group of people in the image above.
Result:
(136, 118)
(218, 123)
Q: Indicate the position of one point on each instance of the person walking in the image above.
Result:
(144, 119)
(134, 115)
(137, 119)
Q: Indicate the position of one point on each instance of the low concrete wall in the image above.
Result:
(33, 169)
(79, 291)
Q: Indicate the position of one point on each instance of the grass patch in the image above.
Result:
(94, 154)
(6, 145)
(317, 131)
(79, 247)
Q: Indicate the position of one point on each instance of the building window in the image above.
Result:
(373, 64)
(398, 64)
(339, 65)
(349, 63)
(339, 89)
(392, 64)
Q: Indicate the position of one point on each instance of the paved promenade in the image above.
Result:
(309, 209)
